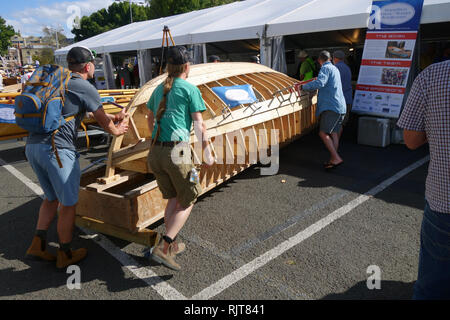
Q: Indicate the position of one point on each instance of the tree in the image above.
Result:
(50, 36)
(45, 56)
(6, 32)
(165, 8)
(118, 14)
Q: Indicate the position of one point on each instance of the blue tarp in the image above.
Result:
(7, 113)
(236, 95)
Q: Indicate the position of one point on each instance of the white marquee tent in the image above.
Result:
(266, 20)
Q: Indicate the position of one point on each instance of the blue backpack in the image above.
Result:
(39, 108)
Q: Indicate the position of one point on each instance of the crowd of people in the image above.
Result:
(395, 77)
(15, 75)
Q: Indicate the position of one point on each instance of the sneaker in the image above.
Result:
(37, 250)
(64, 260)
(166, 258)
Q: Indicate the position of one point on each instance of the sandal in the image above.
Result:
(331, 165)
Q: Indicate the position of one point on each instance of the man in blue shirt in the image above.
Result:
(346, 80)
(330, 106)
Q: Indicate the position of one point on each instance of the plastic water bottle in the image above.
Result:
(194, 176)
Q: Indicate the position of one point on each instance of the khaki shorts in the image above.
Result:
(173, 179)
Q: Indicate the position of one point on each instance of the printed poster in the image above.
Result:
(387, 57)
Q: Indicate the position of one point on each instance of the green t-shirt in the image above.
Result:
(182, 100)
(306, 68)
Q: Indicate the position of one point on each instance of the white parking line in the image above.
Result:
(143, 273)
(272, 254)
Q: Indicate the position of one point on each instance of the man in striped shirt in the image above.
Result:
(426, 118)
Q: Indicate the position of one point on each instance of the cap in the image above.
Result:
(324, 55)
(80, 54)
(303, 54)
(254, 59)
(178, 55)
(213, 58)
(339, 54)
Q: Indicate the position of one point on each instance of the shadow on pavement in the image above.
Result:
(23, 275)
(364, 167)
(390, 290)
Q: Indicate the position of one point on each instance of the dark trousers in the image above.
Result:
(433, 280)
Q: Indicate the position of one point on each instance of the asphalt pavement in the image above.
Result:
(301, 234)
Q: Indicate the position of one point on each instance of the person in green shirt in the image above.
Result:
(307, 66)
(174, 105)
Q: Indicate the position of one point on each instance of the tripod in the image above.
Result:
(165, 39)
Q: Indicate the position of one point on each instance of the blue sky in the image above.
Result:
(30, 16)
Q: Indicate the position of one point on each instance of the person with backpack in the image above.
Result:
(174, 105)
(53, 156)
(308, 69)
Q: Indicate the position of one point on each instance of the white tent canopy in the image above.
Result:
(250, 19)
(268, 21)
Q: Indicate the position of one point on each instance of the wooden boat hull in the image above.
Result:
(240, 138)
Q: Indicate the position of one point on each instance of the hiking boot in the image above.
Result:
(166, 258)
(178, 247)
(37, 250)
(64, 259)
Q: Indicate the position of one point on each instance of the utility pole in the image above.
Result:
(131, 13)
(56, 35)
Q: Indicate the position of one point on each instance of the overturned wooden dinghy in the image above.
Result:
(125, 194)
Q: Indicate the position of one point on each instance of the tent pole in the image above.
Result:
(266, 49)
(205, 59)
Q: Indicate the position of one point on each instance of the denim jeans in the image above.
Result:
(433, 280)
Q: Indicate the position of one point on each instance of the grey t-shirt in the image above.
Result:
(80, 98)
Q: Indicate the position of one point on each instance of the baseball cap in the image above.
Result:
(80, 54)
(324, 55)
(213, 58)
(339, 54)
(178, 55)
(302, 54)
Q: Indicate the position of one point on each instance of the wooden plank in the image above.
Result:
(212, 99)
(131, 157)
(273, 81)
(289, 125)
(237, 81)
(139, 165)
(271, 77)
(145, 237)
(115, 145)
(266, 92)
(134, 131)
(272, 86)
(150, 207)
(138, 148)
(103, 184)
(106, 207)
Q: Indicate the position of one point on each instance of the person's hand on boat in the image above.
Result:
(121, 115)
(122, 126)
